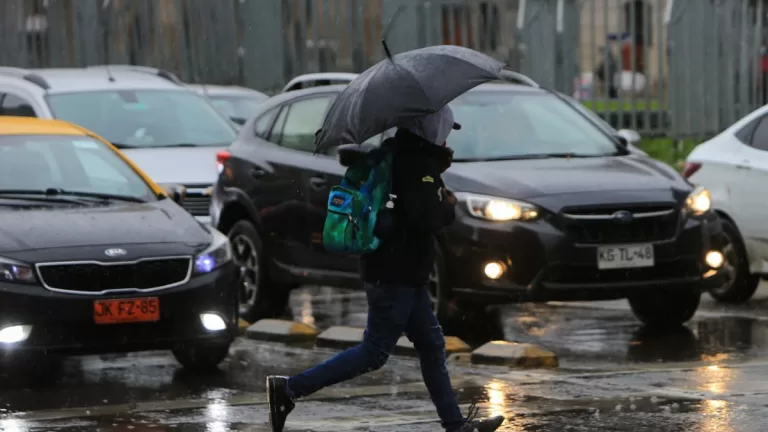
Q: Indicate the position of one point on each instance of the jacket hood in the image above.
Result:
(433, 128)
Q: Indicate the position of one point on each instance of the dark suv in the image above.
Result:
(552, 206)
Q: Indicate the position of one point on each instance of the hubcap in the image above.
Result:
(246, 257)
(730, 264)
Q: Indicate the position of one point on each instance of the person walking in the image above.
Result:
(395, 277)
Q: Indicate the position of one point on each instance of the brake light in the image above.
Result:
(690, 169)
(221, 158)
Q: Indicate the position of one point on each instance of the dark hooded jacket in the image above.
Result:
(406, 254)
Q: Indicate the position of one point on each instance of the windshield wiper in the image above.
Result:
(536, 156)
(124, 146)
(55, 193)
(177, 145)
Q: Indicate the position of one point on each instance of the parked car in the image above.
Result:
(733, 166)
(235, 103)
(96, 258)
(170, 131)
(318, 80)
(552, 207)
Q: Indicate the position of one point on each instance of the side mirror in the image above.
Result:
(629, 136)
(239, 120)
(175, 192)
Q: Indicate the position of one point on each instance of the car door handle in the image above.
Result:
(743, 165)
(318, 182)
(257, 173)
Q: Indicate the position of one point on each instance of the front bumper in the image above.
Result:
(544, 264)
(64, 323)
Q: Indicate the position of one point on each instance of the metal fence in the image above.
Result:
(683, 68)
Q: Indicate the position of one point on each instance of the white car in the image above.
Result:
(319, 79)
(734, 167)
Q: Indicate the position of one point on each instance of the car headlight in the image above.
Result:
(699, 201)
(216, 255)
(498, 209)
(15, 271)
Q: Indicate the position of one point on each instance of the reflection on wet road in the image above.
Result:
(615, 375)
(604, 334)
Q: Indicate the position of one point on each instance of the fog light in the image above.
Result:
(213, 322)
(494, 270)
(15, 334)
(714, 259)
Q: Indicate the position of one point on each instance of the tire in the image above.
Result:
(439, 288)
(449, 313)
(665, 309)
(741, 285)
(201, 357)
(259, 297)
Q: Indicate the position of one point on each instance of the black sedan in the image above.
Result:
(552, 207)
(95, 258)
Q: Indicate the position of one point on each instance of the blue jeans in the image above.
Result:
(392, 311)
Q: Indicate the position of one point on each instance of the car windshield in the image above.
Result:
(511, 125)
(145, 118)
(78, 164)
(236, 106)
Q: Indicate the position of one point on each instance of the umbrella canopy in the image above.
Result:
(397, 89)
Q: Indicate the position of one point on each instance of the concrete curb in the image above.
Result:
(281, 331)
(513, 354)
(342, 337)
(242, 325)
(496, 353)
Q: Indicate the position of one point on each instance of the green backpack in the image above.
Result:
(353, 206)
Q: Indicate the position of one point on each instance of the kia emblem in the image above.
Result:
(115, 252)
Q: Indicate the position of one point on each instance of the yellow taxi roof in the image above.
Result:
(36, 126)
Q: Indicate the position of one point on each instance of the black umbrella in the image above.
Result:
(399, 88)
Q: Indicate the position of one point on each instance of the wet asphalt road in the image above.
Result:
(614, 376)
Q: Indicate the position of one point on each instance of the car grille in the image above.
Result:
(196, 203)
(598, 225)
(90, 277)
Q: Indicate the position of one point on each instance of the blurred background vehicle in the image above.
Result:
(552, 207)
(97, 258)
(234, 102)
(170, 131)
(734, 166)
(318, 79)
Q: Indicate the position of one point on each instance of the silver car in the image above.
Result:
(171, 132)
(234, 102)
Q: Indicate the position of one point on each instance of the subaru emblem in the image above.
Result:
(623, 216)
(115, 252)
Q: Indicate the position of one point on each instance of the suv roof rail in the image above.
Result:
(518, 78)
(26, 75)
(145, 69)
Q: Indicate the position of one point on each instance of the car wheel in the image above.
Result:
(665, 308)
(740, 285)
(259, 298)
(201, 357)
(438, 287)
